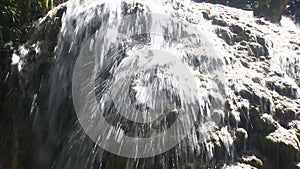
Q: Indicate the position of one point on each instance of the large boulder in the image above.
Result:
(283, 147)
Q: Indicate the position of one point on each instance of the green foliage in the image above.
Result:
(256, 80)
(8, 10)
(15, 13)
(49, 6)
(8, 16)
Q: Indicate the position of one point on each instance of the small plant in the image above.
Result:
(8, 15)
(8, 10)
(256, 80)
(14, 13)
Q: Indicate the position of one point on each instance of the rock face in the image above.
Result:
(258, 128)
(272, 10)
(287, 147)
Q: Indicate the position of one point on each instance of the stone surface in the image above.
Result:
(253, 161)
(239, 166)
(240, 141)
(226, 36)
(284, 146)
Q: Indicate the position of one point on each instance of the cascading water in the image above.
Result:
(145, 80)
(135, 84)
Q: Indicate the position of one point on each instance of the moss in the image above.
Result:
(253, 161)
(256, 80)
(270, 138)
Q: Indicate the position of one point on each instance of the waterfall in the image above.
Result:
(139, 84)
(145, 82)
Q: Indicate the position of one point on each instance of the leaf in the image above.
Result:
(52, 4)
(46, 4)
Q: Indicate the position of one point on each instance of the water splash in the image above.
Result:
(144, 72)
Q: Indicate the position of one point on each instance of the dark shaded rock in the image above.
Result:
(241, 33)
(255, 49)
(25, 148)
(237, 29)
(233, 118)
(240, 140)
(295, 124)
(253, 161)
(260, 22)
(245, 63)
(272, 10)
(206, 15)
(258, 99)
(283, 147)
(243, 43)
(284, 88)
(250, 95)
(242, 48)
(263, 124)
(222, 141)
(225, 35)
(265, 44)
(279, 73)
(219, 22)
(285, 115)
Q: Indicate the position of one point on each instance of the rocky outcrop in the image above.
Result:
(264, 100)
(283, 147)
(25, 83)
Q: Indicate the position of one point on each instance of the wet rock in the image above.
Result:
(222, 141)
(257, 98)
(245, 64)
(295, 124)
(260, 22)
(265, 44)
(206, 15)
(284, 88)
(217, 116)
(239, 166)
(279, 73)
(253, 161)
(285, 115)
(237, 29)
(243, 43)
(219, 22)
(240, 33)
(255, 49)
(263, 124)
(240, 140)
(234, 118)
(225, 35)
(28, 76)
(282, 146)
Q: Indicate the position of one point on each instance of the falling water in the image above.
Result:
(142, 68)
